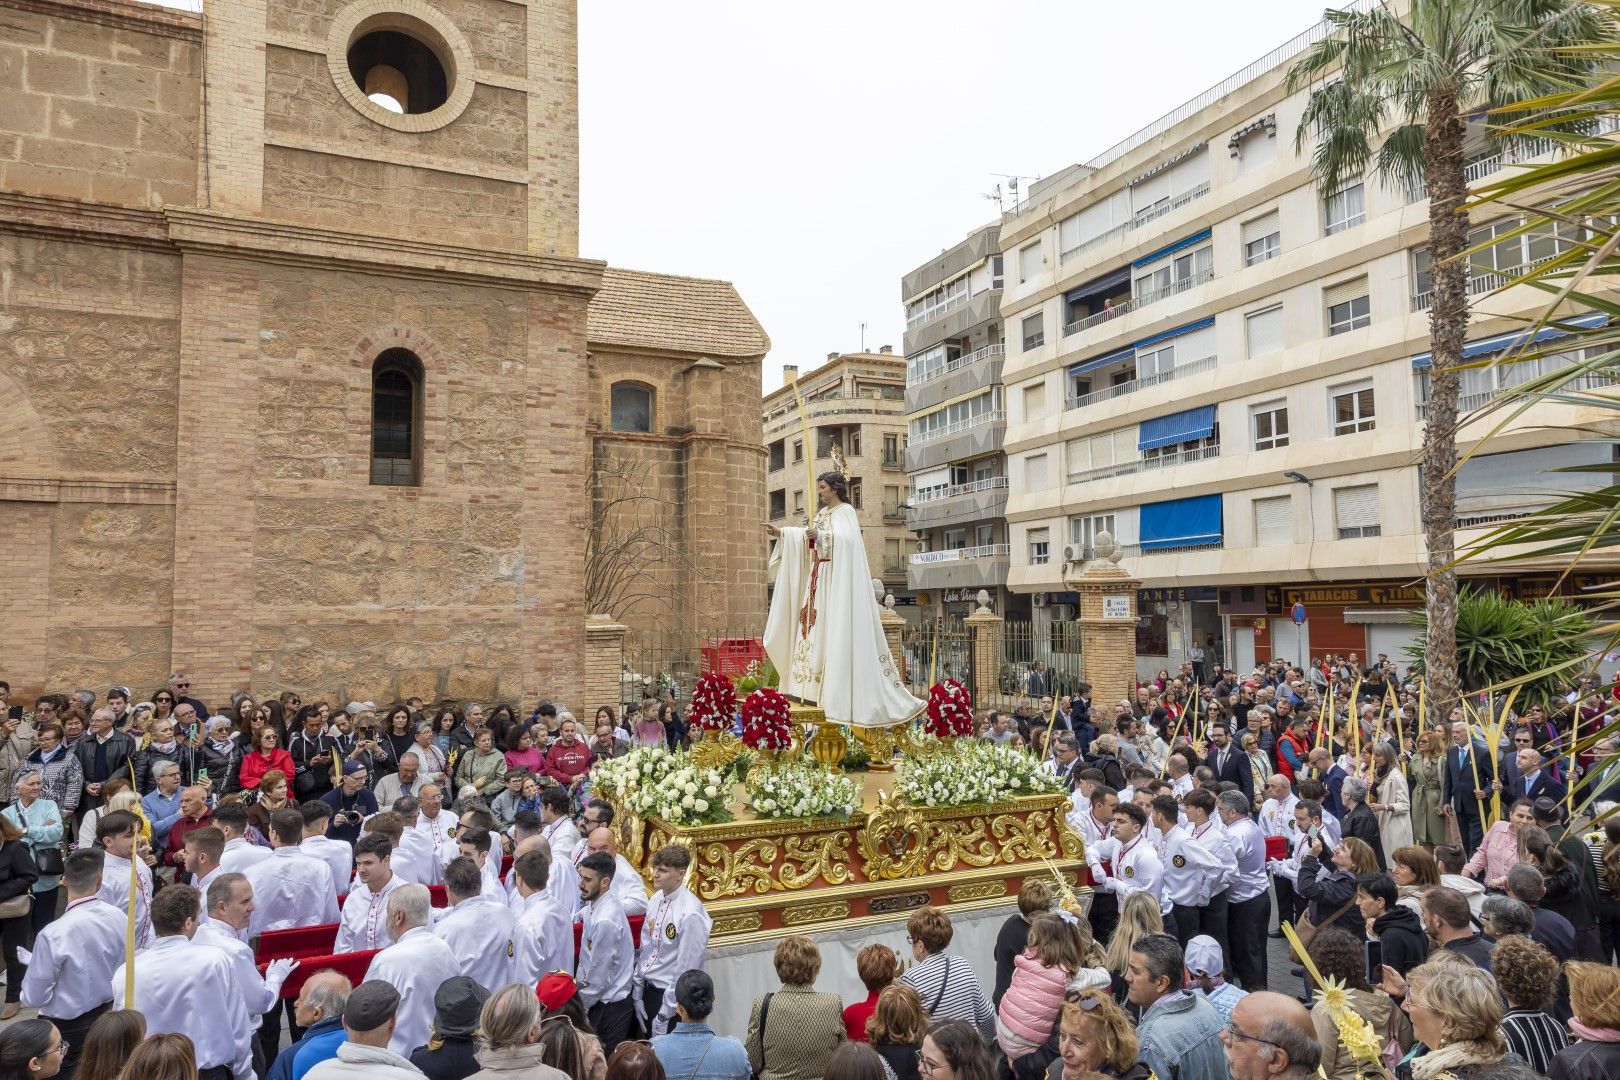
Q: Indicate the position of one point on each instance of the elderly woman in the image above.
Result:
(1456, 1015)
(431, 755)
(221, 755)
(1594, 993)
(877, 966)
(61, 775)
(1096, 1036)
(1502, 849)
(40, 821)
(1260, 769)
(1528, 976)
(793, 1032)
(510, 1025)
(482, 768)
(945, 982)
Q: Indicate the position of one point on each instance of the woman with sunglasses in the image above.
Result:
(1096, 1036)
(162, 704)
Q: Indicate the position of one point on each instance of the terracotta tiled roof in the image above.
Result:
(677, 314)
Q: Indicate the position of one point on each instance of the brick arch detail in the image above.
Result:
(379, 341)
(26, 448)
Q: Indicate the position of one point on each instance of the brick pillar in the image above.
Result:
(604, 655)
(894, 628)
(1107, 628)
(984, 636)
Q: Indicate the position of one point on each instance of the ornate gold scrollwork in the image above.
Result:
(729, 871)
(956, 841)
(715, 750)
(813, 913)
(742, 923)
(1023, 838)
(893, 843)
(806, 860)
(978, 890)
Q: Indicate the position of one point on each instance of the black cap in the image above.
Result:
(371, 1005)
(457, 1005)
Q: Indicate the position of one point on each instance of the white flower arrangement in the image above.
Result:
(972, 773)
(796, 790)
(655, 782)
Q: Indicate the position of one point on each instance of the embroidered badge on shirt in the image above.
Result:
(1130, 871)
(669, 931)
(1179, 861)
(510, 951)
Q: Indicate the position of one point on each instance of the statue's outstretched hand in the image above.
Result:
(772, 530)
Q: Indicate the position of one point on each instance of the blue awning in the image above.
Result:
(1180, 523)
(1177, 332)
(1175, 247)
(1176, 428)
(1516, 339)
(1102, 361)
(1097, 286)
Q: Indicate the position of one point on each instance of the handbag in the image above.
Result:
(764, 1015)
(17, 906)
(1307, 930)
(47, 859)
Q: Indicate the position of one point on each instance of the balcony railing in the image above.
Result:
(1136, 302)
(991, 417)
(1158, 210)
(935, 494)
(892, 461)
(894, 569)
(929, 314)
(1477, 283)
(983, 551)
(1098, 318)
(1135, 550)
(958, 364)
(1182, 457)
(1103, 472)
(1495, 516)
(1130, 387)
(1467, 403)
(1512, 154)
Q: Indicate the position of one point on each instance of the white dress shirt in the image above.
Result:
(442, 831)
(1092, 831)
(562, 886)
(494, 888)
(337, 855)
(607, 953)
(564, 839)
(628, 888)
(115, 891)
(674, 940)
(1182, 787)
(364, 923)
(542, 939)
(479, 933)
(258, 997)
(74, 959)
(1192, 873)
(1277, 818)
(239, 855)
(290, 889)
(1211, 835)
(416, 859)
(190, 990)
(1135, 864)
(1248, 848)
(415, 965)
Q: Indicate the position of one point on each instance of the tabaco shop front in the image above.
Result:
(1366, 618)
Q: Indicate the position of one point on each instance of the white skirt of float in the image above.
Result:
(743, 972)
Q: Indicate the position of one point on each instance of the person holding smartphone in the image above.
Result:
(16, 742)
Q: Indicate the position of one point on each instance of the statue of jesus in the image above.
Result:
(824, 635)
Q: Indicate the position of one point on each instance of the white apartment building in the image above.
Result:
(1226, 369)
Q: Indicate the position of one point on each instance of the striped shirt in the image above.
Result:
(950, 991)
(1534, 1036)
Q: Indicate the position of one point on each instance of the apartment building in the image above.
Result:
(855, 401)
(956, 420)
(1226, 368)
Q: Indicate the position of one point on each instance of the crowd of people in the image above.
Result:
(1435, 881)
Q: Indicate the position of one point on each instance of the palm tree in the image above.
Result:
(1411, 82)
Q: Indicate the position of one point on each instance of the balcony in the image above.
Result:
(959, 504)
(960, 568)
(1467, 403)
(934, 311)
(1108, 393)
(892, 461)
(1138, 302)
(959, 426)
(1477, 283)
(1163, 207)
(983, 307)
(966, 360)
(1182, 457)
(894, 569)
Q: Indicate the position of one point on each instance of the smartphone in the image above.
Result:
(15, 712)
(1315, 833)
(202, 774)
(1375, 962)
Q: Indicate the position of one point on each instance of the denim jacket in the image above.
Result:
(1180, 1040)
(695, 1052)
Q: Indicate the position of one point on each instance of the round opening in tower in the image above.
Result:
(399, 71)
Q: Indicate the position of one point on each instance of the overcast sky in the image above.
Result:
(813, 154)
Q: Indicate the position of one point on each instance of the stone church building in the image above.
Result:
(304, 382)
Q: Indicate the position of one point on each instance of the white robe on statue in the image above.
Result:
(843, 662)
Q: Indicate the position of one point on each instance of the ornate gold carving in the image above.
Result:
(741, 923)
(1024, 838)
(885, 905)
(715, 750)
(892, 843)
(727, 871)
(811, 913)
(806, 860)
(979, 890)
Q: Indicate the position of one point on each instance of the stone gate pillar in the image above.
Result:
(604, 662)
(985, 630)
(1107, 623)
(894, 629)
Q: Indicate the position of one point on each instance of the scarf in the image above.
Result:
(1595, 1034)
(164, 748)
(222, 748)
(1451, 1056)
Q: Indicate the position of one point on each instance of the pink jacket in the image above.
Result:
(1030, 1006)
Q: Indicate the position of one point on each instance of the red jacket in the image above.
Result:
(563, 763)
(1301, 747)
(255, 765)
(174, 850)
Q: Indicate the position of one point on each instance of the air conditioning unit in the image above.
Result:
(1074, 553)
(1039, 600)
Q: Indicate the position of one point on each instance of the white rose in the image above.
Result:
(701, 806)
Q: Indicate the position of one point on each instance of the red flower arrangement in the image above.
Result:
(714, 702)
(765, 721)
(950, 710)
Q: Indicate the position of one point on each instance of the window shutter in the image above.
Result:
(1260, 227)
(1355, 507)
(1189, 172)
(1265, 331)
(1345, 291)
(1274, 521)
(1035, 476)
(1029, 261)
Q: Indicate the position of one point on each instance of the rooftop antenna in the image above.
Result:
(863, 337)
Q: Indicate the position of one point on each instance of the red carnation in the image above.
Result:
(950, 710)
(714, 702)
(766, 720)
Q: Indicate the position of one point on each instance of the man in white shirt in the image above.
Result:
(543, 937)
(438, 824)
(116, 833)
(1190, 871)
(477, 928)
(1277, 819)
(337, 855)
(562, 885)
(231, 819)
(606, 954)
(363, 925)
(190, 990)
(290, 889)
(1248, 907)
(674, 939)
(1093, 824)
(1204, 828)
(370, 1028)
(556, 825)
(1134, 864)
(1181, 780)
(628, 888)
(415, 964)
(481, 846)
(203, 847)
(69, 977)
(415, 857)
(230, 907)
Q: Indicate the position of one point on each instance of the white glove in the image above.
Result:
(641, 1011)
(24, 956)
(277, 973)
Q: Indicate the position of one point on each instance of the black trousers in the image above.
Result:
(652, 999)
(73, 1032)
(1214, 919)
(270, 1028)
(1246, 940)
(14, 935)
(44, 912)
(614, 1022)
(1104, 916)
(1471, 832)
(1182, 922)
